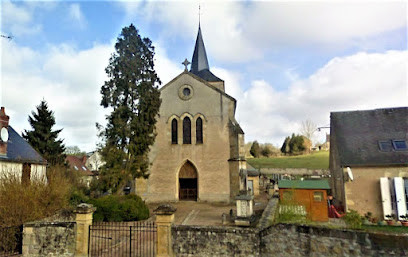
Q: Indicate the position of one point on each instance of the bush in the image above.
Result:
(120, 208)
(77, 196)
(353, 219)
(20, 203)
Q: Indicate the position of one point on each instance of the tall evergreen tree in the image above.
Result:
(132, 92)
(285, 147)
(255, 149)
(42, 138)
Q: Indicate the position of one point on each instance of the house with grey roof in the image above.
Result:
(16, 155)
(365, 146)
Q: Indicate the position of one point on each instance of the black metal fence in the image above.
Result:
(122, 239)
(11, 241)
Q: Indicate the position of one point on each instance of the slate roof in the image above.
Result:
(356, 135)
(199, 63)
(304, 184)
(251, 171)
(19, 150)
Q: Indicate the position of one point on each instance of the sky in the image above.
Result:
(284, 61)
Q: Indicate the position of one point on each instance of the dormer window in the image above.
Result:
(385, 146)
(400, 145)
(393, 145)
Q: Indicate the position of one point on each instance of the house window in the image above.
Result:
(400, 145)
(318, 196)
(186, 130)
(385, 146)
(174, 131)
(199, 131)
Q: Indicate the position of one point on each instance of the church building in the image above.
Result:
(199, 149)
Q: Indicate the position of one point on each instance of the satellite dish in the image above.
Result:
(4, 134)
(350, 174)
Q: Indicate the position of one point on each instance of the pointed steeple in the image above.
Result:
(200, 61)
(199, 64)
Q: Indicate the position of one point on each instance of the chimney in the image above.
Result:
(4, 121)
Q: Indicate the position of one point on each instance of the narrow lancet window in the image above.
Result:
(199, 131)
(186, 130)
(174, 131)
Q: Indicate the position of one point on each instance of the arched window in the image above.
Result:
(199, 131)
(174, 131)
(186, 130)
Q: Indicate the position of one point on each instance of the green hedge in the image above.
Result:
(120, 208)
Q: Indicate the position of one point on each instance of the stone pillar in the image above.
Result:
(164, 220)
(245, 211)
(83, 220)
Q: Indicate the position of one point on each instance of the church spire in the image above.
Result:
(200, 61)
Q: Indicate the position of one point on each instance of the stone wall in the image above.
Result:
(284, 240)
(291, 240)
(215, 241)
(49, 239)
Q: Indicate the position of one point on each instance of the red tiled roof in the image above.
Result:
(78, 164)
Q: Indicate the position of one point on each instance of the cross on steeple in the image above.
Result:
(199, 14)
(186, 63)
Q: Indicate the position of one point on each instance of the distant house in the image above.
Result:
(94, 162)
(17, 157)
(78, 164)
(365, 146)
(253, 179)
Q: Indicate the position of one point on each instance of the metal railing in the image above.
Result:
(120, 239)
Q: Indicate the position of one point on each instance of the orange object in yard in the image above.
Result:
(312, 194)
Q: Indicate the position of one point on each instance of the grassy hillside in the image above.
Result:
(316, 160)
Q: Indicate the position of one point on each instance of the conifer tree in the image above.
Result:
(255, 149)
(132, 92)
(42, 138)
(285, 147)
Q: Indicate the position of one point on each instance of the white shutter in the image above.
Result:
(385, 196)
(400, 197)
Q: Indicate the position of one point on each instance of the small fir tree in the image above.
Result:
(255, 149)
(132, 92)
(42, 138)
(285, 147)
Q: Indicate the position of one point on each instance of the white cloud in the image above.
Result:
(239, 31)
(356, 82)
(68, 79)
(75, 14)
(17, 19)
(165, 68)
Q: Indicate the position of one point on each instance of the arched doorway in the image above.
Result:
(188, 189)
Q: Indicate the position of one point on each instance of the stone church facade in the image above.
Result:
(199, 149)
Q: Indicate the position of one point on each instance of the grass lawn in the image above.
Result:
(386, 229)
(316, 160)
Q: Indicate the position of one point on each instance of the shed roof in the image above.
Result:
(304, 184)
(19, 150)
(357, 134)
(251, 171)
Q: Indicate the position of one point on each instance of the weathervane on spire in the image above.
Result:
(199, 14)
(185, 63)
